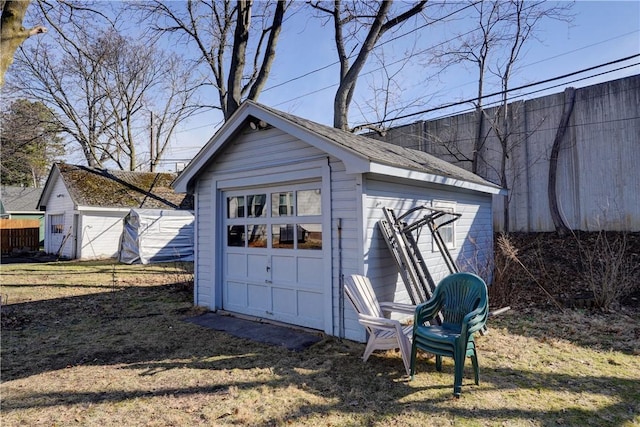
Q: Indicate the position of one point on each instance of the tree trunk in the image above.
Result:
(349, 78)
(270, 51)
(569, 100)
(241, 38)
(477, 143)
(12, 33)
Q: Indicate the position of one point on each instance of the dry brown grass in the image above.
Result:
(90, 344)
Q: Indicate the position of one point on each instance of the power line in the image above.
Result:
(517, 97)
(308, 73)
(454, 104)
(420, 52)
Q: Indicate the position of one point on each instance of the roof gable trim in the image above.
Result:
(354, 162)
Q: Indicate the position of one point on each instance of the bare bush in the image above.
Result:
(608, 268)
(506, 265)
(503, 289)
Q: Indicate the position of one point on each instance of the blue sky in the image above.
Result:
(601, 31)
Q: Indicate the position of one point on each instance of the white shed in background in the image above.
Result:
(285, 208)
(84, 207)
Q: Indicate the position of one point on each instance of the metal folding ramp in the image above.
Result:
(402, 240)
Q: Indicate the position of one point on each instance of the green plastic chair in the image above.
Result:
(462, 298)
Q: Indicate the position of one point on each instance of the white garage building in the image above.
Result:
(286, 207)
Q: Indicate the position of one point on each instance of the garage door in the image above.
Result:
(273, 254)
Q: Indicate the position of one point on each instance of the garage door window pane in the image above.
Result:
(309, 202)
(309, 236)
(235, 207)
(282, 204)
(256, 205)
(257, 236)
(235, 235)
(283, 236)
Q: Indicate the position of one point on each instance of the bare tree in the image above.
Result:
(495, 48)
(236, 42)
(350, 21)
(12, 32)
(104, 87)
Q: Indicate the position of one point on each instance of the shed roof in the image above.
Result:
(20, 199)
(359, 153)
(92, 187)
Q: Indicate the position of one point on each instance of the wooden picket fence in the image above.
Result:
(19, 234)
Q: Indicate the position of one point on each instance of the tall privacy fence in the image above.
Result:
(19, 234)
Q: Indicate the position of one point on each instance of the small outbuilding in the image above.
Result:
(285, 208)
(155, 235)
(85, 207)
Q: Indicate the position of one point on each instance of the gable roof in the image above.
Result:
(101, 188)
(20, 199)
(359, 153)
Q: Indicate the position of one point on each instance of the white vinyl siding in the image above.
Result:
(59, 206)
(99, 234)
(346, 259)
(474, 232)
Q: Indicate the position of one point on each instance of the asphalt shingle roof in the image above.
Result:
(384, 152)
(20, 199)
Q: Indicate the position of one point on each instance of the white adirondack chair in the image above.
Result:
(384, 333)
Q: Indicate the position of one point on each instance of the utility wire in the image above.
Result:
(453, 104)
(378, 45)
(517, 97)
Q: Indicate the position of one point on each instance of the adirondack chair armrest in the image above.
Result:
(398, 307)
(378, 322)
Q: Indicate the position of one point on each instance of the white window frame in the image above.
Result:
(268, 219)
(448, 206)
(56, 224)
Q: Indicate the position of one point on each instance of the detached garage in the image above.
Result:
(84, 207)
(286, 207)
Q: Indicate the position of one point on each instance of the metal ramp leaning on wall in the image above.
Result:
(402, 239)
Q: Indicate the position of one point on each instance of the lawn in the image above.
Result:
(104, 344)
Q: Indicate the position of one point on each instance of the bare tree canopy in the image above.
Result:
(12, 32)
(495, 49)
(235, 42)
(108, 90)
(504, 28)
(358, 26)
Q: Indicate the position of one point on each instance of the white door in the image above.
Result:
(273, 254)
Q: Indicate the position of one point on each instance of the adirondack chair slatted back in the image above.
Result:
(360, 293)
(383, 333)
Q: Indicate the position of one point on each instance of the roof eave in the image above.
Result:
(48, 186)
(415, 175)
